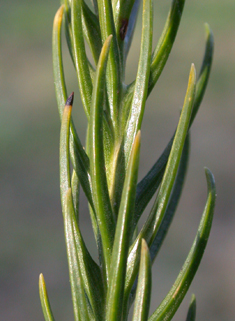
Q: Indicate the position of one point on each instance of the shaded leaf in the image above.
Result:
(78, 155)
(102, 204)
(149, 184)
(151, 226)
(80, 57)
(170, 304)
(165, 43)
(191, 316)
(114, 70)
(123, 237)
(77, 288)
(143, 292)
(138, 103)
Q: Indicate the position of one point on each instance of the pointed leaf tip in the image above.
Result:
(69, 101)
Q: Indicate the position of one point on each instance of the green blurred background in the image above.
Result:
(31, 227)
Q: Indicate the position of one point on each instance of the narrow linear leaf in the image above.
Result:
(136, 110)
(46, 308)
(91, 31)
(138, 103)
(75, 185)
(123, 237)
(60, 87)
(114, 70)
(173, 202)
(90, 272)
(149, 184)
(104, 213)
(78, 155)
(204, 72)
(147, 187)
(65, 182)
(163, 48)
(80, 57)
(77, 288)
(143, 292)
(165, 43)
(191, 316)
(170, 211)
(159, 208)
(170, 304)
(151, 226)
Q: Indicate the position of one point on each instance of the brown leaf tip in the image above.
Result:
(69, 101)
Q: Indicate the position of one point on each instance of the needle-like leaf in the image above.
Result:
(102, 204)
(123, 237)
(136, 110)
(80, 57)
(78, 155)
(166, 41)
(77, 288)
(204, 72)
(90, 272)
(163, 48)
(149, 184)
(173, 202)
(46, 308)
(143, 293)
(65, 182)
(114, 70)
(170, 304)
(91, 31)
(133, 125)
(151, 226)
(191, 316)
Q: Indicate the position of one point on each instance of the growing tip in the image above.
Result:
(69, 101)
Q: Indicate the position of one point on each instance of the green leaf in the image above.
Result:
(149, 184)
(123, 237)
(75, 184)
(136, 109)
(60, 87)
(78, 155)
(159, 208)
(90, 272)
(102, 204)
(46, 308)
(165, 43)
(151, 226)
(171, 208)
(114, 70)
(65, 182)
(170, 304)
(77, 289)
(138, 103)
(91, 31)
(173, 202)
(204, 72)
(163, 48)
(191, 316)
(80, 57)
(143, 292)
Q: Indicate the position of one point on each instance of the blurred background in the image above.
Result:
(31, 227)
